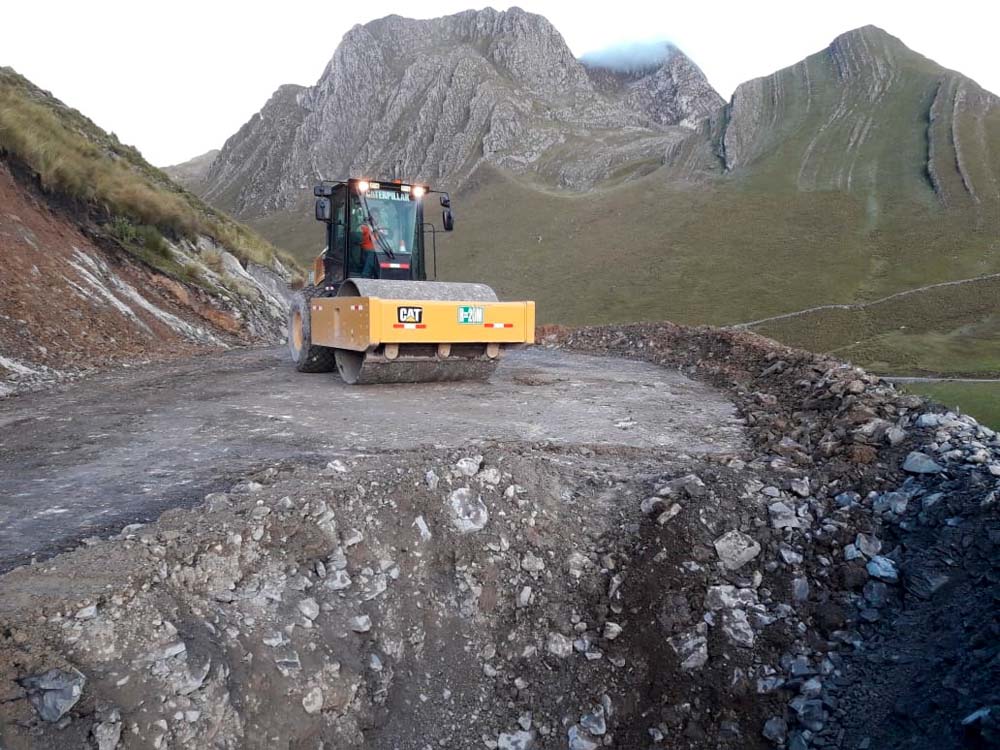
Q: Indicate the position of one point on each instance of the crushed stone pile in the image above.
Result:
(832, 587)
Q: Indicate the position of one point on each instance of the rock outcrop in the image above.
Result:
(76, 299)
(433, 99)
(105, 261)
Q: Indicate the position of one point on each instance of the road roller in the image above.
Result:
(370, 312)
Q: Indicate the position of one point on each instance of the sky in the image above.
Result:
(178, 78)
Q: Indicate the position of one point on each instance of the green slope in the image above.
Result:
(981, 400)
(75, 159)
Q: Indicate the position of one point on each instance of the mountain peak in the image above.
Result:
(867, 52)
(869, 32)
(434, 98)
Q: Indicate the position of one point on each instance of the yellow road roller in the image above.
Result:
(370, 312)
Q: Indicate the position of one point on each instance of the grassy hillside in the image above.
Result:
(981, 400)
(727, 251)
(138, 203)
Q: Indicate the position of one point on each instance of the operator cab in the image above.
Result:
(375, 230)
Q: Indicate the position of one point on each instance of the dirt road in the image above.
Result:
(125, 446)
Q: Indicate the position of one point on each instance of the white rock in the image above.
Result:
(868, 544)
(690, 485)
(651, 505)
(920, 463)
(421, 524)
(108, 733)
(468, 512)
(361, 623)
(789, 555)
(432, 479)
(735, 549)
(612, 630)
(171, 649)
(309, 608)
(594, 722)
(577, 564)
(353, 537)
(559, 645)
(531, 563)
(312, 701)
(338, 580)
(692, 647)
(800, 589)
(490, 475)
(883, 569)
(87, 613)
(783, 517)
(668, 514)
(895, 435)
(579, 739)
(521, 740)
(736, 627)
(469, 467)
(524, 597)
(721, 597)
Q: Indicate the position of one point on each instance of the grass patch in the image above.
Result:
(213, 259)
(146, 236)
(951, 330)
(75, 158)
(981, 400)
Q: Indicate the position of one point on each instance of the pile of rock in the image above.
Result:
(895, 520)
(833, 587)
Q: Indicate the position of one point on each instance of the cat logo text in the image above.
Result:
(410, 314)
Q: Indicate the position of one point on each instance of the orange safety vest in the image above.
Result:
(367, 238)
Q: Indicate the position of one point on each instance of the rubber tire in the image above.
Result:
(306, 356)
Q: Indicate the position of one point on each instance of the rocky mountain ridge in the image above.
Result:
(434, 99)
(842, 119)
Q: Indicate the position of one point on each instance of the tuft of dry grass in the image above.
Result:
(75, 158)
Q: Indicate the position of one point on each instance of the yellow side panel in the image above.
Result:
(358, 323)
(343, 322)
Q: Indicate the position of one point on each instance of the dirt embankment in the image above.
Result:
(74, 299)
(528, 595)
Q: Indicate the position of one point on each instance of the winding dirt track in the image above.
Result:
(124, 447)
(862, 305)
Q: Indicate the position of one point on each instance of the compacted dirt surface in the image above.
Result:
(126, 446)
(647, 537)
